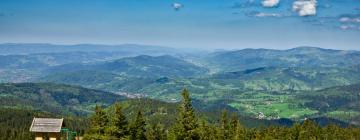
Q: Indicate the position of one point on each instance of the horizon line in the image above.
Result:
(155, 45)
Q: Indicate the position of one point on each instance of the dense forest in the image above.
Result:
(154, 120)
(187, 126)
(15, 123)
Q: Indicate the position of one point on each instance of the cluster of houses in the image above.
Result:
(262, 116)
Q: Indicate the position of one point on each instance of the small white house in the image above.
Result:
(261, 115)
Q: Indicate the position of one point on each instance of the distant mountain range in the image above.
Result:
(278, 83)
(130, 49)
(297, 57)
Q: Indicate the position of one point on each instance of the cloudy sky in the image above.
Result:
(220, 24)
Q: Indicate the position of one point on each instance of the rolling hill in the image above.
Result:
(261, 79)
(139, 66)
(54, 98)
(298, 57)
(341, 102)
(25, 62)
(46, 60)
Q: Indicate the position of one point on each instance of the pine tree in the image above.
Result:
(309, 131)
(119, 125)
(257, 135)
(206, 131)
(236, 131)
(137, 128)
(98, 124)
(186, 124)
(156, 132)
(224, 126)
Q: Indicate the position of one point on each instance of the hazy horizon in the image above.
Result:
(180, 48)
(214, 24)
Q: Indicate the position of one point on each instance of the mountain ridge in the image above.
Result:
(142, 65)
(297, 57)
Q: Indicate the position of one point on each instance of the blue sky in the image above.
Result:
(210, 24)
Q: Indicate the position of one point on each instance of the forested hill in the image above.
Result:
(341, 102)
(54, 98)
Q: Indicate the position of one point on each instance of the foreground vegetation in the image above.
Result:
(21, 102)
(15, 123)
(187, 126)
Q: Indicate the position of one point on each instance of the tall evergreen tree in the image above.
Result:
(207, 132)
(119, 126)
(309, 131)
(224, 126)
(156, 132)
(236, 131)
(186, 123)
(137, 128)
(98, 125)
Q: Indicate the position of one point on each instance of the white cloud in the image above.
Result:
(344, 27)
(270, 3)
(349, 19)
(177, 6)
(344, 19)
(349, 27)
(267, 15)
(305, 7)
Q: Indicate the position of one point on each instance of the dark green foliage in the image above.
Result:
(54, 98)
(334, 98)
(186, 123)
(98, 123)
(154, 110)
(119, 124)
(15, 123)
(224, 126)
(137, 128)
(236, 131)
(188, 127)
(206, 131)
(156, 132)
